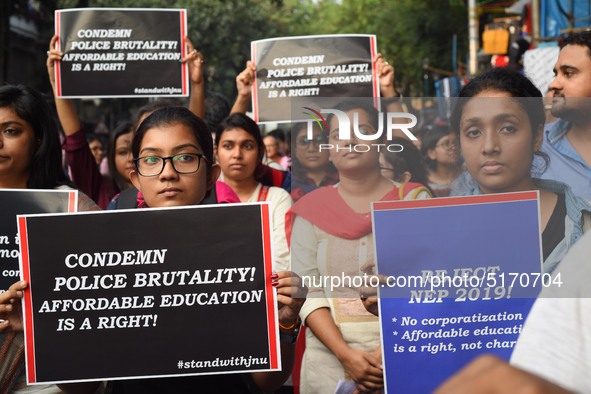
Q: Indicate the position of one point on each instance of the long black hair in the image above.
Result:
(46, 171)
(172, 116)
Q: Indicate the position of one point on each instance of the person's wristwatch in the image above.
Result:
(292, 335)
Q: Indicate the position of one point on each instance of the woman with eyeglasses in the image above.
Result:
(332, 238)
(405, 165)
(96, 147)
(240, 150)
(84, 172)
(173, 155)
(442, 158)
(311, 167)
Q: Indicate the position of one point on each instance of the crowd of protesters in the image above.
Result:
(497, 140)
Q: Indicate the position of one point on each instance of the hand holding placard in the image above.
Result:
(10, 307)
(291, 295)
(172, 287)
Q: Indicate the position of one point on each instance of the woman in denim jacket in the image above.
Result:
(499, 120)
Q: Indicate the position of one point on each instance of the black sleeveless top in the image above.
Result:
(554, 231)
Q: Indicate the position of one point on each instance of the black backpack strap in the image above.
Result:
(211, 198)
(127, 199)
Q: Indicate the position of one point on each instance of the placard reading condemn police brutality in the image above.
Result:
(312, 66)
(25, 201)
(462, 273)
(147, 293)
(119, 52)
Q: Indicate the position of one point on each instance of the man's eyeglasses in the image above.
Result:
(183, 163)
(305, 142)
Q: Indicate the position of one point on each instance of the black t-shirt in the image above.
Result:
(554, 231)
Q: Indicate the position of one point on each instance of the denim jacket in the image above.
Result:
(573, 222)
(566, 164)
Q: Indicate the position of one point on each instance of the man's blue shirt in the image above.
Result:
(566, 164)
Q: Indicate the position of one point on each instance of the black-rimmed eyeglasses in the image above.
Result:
(448, 145)
(305, 142)
(183, 163)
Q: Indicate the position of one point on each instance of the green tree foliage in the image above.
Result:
(416, 30)
(21, 56)
(408, 31)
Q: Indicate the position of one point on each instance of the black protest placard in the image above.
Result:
(313, 66)
(25, 201)
(149, 293)
(110, 52)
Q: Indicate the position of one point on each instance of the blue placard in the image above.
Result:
(462, 274)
